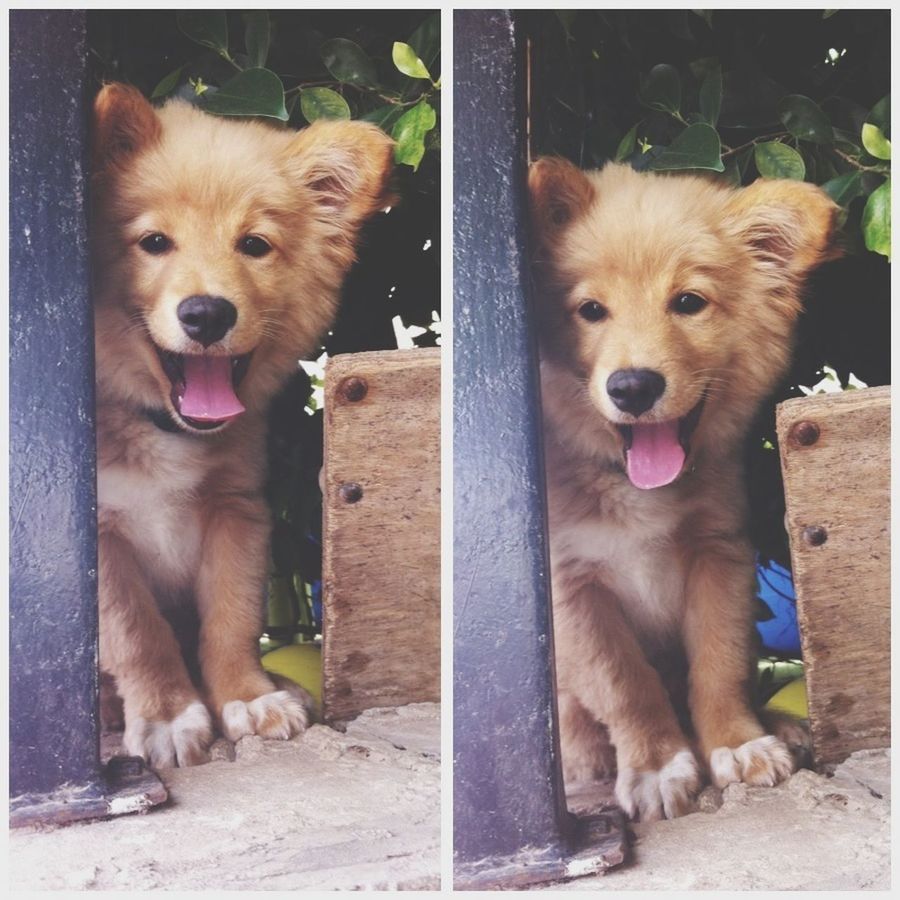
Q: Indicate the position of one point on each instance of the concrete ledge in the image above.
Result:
(328, 810)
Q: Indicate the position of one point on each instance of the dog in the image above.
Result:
(666, 307)
(219, 247)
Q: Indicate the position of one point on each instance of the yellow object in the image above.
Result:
(791, 699)
(299, 662)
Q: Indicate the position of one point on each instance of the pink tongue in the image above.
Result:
(208, 394)
(655, 457)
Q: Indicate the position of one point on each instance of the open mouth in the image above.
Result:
(655, 452)
(204, 387)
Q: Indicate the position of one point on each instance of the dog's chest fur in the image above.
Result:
(153, 489)
(624, 540)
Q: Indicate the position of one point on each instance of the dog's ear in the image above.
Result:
(789, 226)
(346, 166)
(124, 123)
(559, 193)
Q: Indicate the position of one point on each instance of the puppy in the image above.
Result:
(666, 307)
(219, 249)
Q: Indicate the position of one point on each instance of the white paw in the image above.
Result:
(275, 715)
(653, 793)
(183, 741)
(762, 761)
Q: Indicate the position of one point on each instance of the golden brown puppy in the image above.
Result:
(666, 309)
(219, 250)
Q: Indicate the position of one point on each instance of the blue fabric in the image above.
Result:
(775, 587)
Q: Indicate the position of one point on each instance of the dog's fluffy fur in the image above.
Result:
(182, 518)
(641, 574)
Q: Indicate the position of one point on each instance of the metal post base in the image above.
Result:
(126, 785)
(599, 843)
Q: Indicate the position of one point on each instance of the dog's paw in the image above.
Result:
(276, 715)
(763, 761)
(650, 794)
(791, 731)
(182, 741)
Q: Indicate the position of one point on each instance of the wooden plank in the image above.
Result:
(382, 562)
(835, 456)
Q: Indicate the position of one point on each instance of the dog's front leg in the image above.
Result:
(718, 627)
(600, 662)
(230, 599)
(165, 720)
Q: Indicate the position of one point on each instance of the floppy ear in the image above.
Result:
(789, 226)
(124, 123)
(345, 165)
(559, 193)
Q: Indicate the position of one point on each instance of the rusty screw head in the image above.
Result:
(805, 433)
(353, 389)
(351, 492)
(815, 535)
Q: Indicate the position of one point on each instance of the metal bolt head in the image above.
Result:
(351, 492)
(805, 433)
(815, 535)
(353, 389)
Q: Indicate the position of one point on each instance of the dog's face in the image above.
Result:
(220, 247)
(671, 299)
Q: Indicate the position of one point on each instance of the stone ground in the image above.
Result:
(810, 833)
(328, 810)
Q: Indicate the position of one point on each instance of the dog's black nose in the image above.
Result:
(635, 390)
(206, 319)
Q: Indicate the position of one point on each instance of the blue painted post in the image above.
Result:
(511, 826)
(55, 771)
(503, 685)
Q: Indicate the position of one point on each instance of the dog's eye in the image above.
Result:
(254, 245)
(155, 244)
(592, 311)
(688, 304)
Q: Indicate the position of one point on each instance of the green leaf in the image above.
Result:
(845, 188)
(348, 62)
(257, 34)
(875, 142)
(876, 220)
(775, 160)
(705, 14)
(206, 27)
(697, 147)
(254, 92)
(383, 116)
(426, 39)
(732, 173)
(322, 103)
(804, 119)
(880, 115)
(828, 13)
(627, 145)
(408, 62)
(662, 89)
(168, 84)
(704, 66)
(410, 131)
(711, 97)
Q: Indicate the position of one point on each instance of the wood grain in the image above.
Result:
(381, 566)
(838, 481)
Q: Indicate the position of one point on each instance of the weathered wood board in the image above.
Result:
(382, 531)
(835, 457)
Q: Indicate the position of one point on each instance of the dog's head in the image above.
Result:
(671, 300)
(220, 246)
